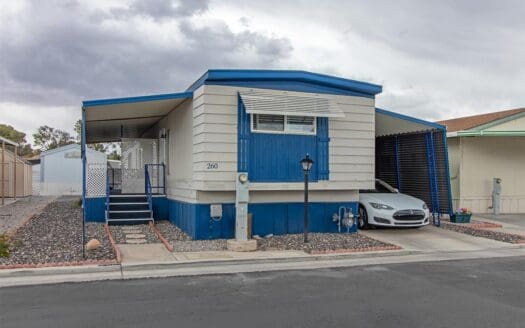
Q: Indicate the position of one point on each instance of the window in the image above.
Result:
(283, 124)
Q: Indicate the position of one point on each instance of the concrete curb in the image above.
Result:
(161, 237)
(20, 277)
(118, 256)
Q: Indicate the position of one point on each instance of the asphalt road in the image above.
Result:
(471, 293)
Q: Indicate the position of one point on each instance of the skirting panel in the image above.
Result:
(268, 218)
(94, 209)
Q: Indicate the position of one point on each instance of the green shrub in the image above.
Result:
(4, 246)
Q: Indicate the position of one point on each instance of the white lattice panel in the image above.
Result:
(96, 180)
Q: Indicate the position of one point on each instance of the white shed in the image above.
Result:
(61, 169)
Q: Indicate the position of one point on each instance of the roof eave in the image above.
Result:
(286, 75)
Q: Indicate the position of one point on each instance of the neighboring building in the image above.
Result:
(190, 147)
(15, 172)
(35, 169)
(61, 169)
(483, 147)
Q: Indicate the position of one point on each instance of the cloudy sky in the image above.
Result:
(435, 59)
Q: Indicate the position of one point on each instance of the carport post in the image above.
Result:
(14, 176)
(3, 159)
(83, 155)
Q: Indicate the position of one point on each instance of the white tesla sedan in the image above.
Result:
(386, 206)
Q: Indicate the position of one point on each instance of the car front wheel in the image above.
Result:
(363, 218)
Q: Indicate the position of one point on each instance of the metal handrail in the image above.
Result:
(107, 197)
(148, 187)
(161, 180)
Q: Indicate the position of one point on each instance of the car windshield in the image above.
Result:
(381, 188)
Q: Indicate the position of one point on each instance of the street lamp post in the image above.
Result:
(306, 164)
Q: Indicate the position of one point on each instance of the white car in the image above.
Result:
(386, 206)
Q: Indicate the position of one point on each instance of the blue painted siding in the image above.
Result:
(94, 209)
(195, 220)
(275, 157)
(160, 208)
(269, 157)
(268, 218)
(287, 218)
(323, 141)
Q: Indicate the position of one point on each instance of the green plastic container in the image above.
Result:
(460, 218)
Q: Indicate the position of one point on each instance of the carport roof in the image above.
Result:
(110, 120)
(391, 123)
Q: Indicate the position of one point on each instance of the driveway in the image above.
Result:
(432, 239)
(517, 220)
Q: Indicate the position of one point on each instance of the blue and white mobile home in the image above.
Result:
(189, 146)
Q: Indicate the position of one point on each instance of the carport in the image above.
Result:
(412, 155)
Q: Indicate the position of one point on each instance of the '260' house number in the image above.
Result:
(212, 166)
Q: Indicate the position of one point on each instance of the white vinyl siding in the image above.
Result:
(351, 150)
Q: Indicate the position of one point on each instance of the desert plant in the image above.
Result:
(4, 246)
(78, 203)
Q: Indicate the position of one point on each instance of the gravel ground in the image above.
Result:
(183, 243)
(171, 232)
(319, 242)
(55, 235)
(120, 237)
(200, 245)
(477, 232)
(14, 214)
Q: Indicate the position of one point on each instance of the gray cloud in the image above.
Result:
(60, 54)
(435, 59)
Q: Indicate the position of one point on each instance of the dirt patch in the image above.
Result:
(15, 214)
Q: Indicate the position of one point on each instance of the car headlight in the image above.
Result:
(425, 207)
(381, 206)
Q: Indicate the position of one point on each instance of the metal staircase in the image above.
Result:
(139, 206)
(128, 207)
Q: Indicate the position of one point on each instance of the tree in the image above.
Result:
(96, 146)
(8, 132)
(78, 130)
(114, 155)
(48, 138)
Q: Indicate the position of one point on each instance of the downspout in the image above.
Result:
(84, 177)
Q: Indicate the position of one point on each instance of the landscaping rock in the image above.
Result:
(55, 235)
(320, 242)
(484, 233)
(92, 244)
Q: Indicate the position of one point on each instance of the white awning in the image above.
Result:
(273, 103)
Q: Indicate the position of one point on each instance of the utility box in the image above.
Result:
(496, 195)
(242, 197)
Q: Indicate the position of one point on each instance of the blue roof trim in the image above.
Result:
(411, 119)
(218, 76)
(290, 86)
(113, 101)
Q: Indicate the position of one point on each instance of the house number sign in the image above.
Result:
(212, 166)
